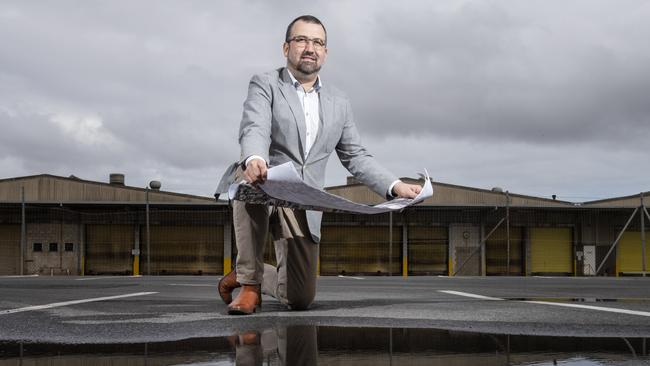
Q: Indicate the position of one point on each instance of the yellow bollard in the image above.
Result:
(136, 265)
(227, 265)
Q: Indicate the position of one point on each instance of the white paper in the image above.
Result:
(284, 187)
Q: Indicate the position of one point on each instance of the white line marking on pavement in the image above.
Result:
(466, 294)
(190, 284)
(104, 278)
(356, 278)
(590, 307)
(74, 302)
(19, 276)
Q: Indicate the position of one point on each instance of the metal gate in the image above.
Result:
(108, 249)
(551, 251)
(428, 250)
(9, 249)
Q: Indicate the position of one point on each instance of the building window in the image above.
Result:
(69, 247)
(54, 247)
(38, 247)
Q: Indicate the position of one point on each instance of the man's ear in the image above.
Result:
(285, 49)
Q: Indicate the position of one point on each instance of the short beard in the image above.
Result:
(308, 67)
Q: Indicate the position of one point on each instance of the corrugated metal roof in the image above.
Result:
(623, 201)
(445, 194)
(50, 188)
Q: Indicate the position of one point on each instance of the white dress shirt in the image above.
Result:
(310, 103)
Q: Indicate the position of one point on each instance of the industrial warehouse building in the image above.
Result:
(52, 225)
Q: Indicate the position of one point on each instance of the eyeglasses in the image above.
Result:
(302, 41)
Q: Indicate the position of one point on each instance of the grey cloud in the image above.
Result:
(482, 71)
(464, 85)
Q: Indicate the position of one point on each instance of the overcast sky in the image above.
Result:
(539, 98)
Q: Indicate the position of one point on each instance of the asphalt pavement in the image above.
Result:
(166, 308)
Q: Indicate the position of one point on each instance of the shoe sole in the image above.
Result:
(241, 312)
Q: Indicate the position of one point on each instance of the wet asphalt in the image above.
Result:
(182, 307)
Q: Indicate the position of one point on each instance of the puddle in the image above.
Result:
(310, 345)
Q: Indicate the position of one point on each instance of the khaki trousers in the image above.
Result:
(293, 346)
(293, 281)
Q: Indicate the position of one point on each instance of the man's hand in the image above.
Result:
(255, 172)
(404, 190)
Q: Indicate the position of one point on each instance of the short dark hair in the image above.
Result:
(307, 19)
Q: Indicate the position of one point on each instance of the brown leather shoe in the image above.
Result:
(227, 285)
(247, 300)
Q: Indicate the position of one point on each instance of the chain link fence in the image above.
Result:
(113, 239)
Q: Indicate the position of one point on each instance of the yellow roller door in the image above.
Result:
(428, 250)
(496, 252)
(358, 250)
(551, 250)
(108, 249)
(9, 249)
(184, 249)
(630, 252)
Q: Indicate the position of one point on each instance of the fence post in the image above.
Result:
(227, 243)
(643, 235)
(136, 250)
(146, 193)
(390, 243)
(23, 232)
(508, 233)
(405, 247)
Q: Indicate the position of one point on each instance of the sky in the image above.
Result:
(537, 98)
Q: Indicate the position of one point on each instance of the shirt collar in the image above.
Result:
(296, 83)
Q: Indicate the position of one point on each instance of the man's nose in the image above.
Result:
(309, 46)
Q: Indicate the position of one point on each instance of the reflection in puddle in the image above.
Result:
(310, 345)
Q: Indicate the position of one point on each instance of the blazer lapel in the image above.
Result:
(289, 93)
(326, 112)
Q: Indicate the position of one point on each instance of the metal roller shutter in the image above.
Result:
(358, 250)
(551, 250)
(428, 250)
(496, 252)
(9, 249)
(630, 258)
(184, 249)
(108, 249)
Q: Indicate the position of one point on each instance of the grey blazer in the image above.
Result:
(273, 127)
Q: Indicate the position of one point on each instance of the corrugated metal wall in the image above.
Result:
(359, 250)
(9, 249)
